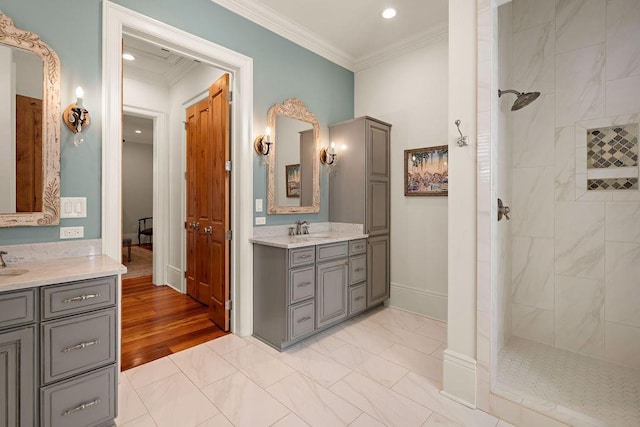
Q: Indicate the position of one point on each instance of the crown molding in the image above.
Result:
(433, 35)
(290, 30)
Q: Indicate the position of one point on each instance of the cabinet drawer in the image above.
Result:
(357, 298)
(302, 284)
(84, 401)
(302, 256)
(357, 247)
(332, 250)
(77, 297)
(357, 269)
(17, 308)
(71, 346)
(301, 319)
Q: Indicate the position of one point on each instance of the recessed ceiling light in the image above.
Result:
(128, 57)
(138, 131)
(389, 13)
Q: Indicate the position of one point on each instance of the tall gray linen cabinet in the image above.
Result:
(359, 193)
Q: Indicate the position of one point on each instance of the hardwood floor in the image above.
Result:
(158, 321)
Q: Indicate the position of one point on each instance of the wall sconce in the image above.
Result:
(77, 118)
(262, 143)
(328, 156)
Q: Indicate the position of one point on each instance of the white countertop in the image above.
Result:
(59, 270)
(303, 240)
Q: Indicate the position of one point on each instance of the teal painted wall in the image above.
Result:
(282, 70)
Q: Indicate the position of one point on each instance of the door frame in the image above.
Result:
(118, 19)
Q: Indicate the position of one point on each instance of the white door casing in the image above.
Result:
(116, 20)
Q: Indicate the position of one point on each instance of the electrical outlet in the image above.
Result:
(72, 232)
(260, 220)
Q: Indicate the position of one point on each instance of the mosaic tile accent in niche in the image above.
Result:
(613, 184)
(611, 147)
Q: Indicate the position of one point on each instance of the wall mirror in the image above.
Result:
(293, 182)
(29, 129)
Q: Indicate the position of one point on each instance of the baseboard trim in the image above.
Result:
(456, 399)
(174, 278)
(420, 301)
(460, 378)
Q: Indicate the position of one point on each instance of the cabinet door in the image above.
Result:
(378, 265)
(378, 195)
(331, 294)
(17, 388)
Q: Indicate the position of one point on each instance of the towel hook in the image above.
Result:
(462, 141)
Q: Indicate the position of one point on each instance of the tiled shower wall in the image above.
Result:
(504, 173)
(575, 268)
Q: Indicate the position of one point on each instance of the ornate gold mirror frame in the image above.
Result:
(295, 109)
(26, 40)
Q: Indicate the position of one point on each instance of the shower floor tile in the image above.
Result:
(568, 383)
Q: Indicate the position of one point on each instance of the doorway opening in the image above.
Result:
(137, 195)
(120, 22)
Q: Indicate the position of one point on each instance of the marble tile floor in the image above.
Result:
(577, 389)
(383, 368)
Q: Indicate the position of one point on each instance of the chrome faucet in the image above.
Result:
(299, 225)
(2, 263)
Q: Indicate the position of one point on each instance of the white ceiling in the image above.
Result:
(155, 62)
(350, 33)
(132, 123)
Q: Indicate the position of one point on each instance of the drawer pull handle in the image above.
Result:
(81, 407)
(81, 346)
(303, 284)
(359, 298)
(304, 319)
(305, 256)
(359, 269)
(81, 298)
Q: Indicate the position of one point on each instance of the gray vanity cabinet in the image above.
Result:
(359, 193)
(78, 353)
(332, 292)
(300, 291)
(378, 261)
(17, 386)
(18, 358)
(58, 355)
(283, 294)
(357, 276)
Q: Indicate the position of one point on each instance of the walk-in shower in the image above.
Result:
(564, 269)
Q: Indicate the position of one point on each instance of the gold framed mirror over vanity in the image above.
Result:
(29, 129)
(293, 181)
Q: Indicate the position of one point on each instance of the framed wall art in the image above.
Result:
(426, 171)
(293, 180)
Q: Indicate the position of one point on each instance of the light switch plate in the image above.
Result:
(73, 207)
(260, 220)
(258, 205)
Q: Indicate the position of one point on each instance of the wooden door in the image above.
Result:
(208, 209)
(198, 157)
(28, 154)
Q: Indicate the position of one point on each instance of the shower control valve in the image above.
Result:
(503, 210)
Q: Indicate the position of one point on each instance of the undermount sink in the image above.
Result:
(12, 271)
(316, 236)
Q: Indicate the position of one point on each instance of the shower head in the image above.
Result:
(522, 100)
